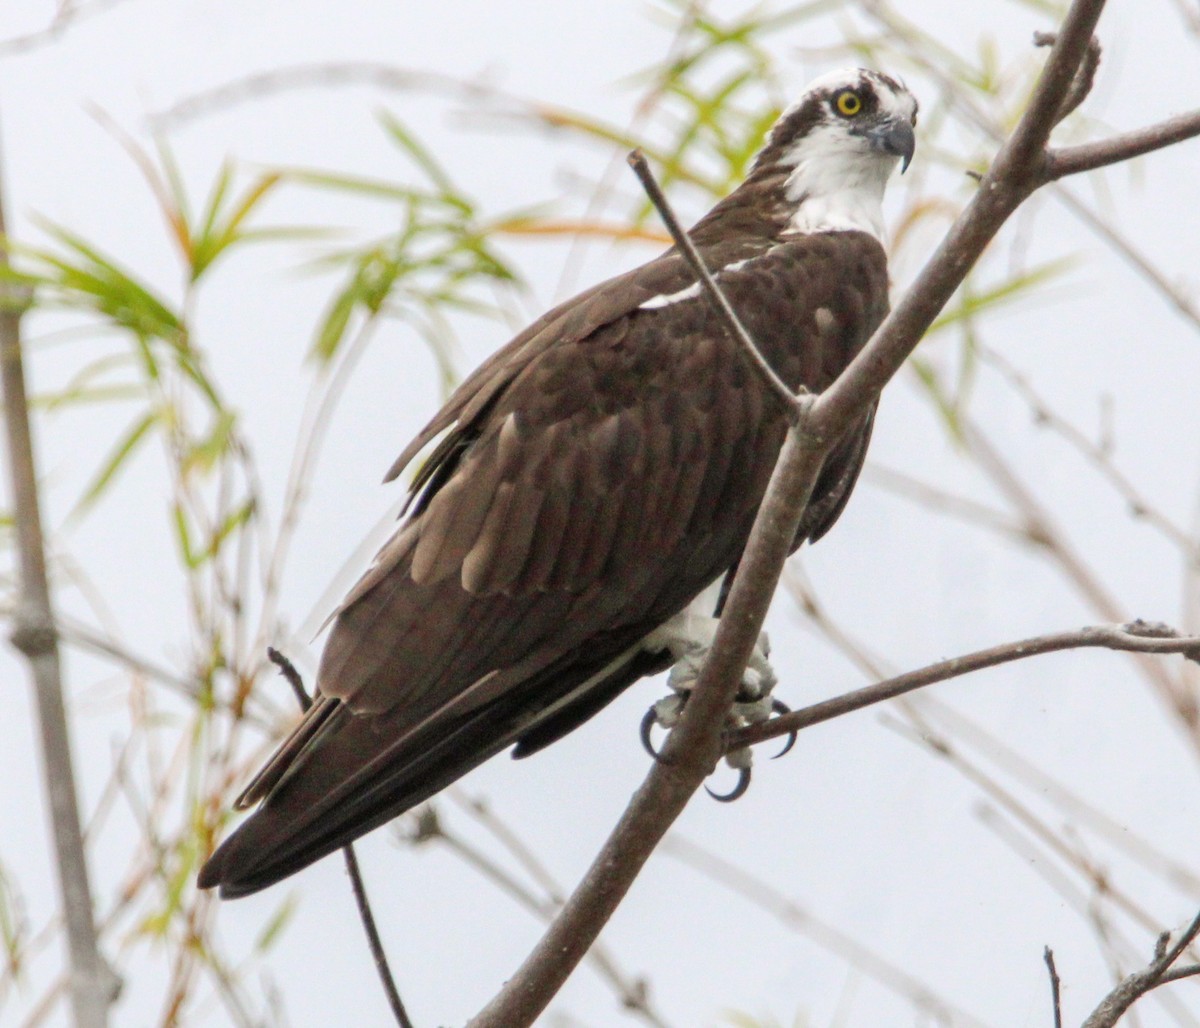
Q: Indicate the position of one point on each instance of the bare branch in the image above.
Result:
(1055, 986)
(1135, 986)
(1175, 296)
(1137, 637)
(93, 984)
(378, 954)
(68, 15)
(1117, 833)
(323, 75)
(791, 406)
(1095, 453)
(1038, 831)
(1084, 79)
(1042, 529)
(1071, 160)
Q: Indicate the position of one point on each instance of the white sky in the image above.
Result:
(858, 826)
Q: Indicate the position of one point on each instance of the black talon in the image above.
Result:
(779, 707)
(648, 722)
(738, 791)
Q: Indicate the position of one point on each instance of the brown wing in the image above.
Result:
(597, 478)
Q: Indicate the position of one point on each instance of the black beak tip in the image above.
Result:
(896, 138)
(904, 143)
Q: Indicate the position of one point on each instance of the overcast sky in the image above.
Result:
(859, 826)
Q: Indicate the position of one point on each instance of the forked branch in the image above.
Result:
(692, 748)
(1160, 971)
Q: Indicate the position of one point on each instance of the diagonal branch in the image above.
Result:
(694, 746)
(791, 405)
(1137, 637)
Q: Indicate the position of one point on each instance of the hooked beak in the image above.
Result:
(895, 138)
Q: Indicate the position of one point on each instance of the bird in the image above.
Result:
(591, 485)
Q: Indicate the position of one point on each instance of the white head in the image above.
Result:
(839, 143)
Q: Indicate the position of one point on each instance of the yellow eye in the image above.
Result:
(849, 103)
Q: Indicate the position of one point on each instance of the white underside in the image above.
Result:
(690, 630)
(837, 183)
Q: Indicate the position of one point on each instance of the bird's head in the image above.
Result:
(836, 147)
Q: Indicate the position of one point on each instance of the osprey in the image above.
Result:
(595, 476)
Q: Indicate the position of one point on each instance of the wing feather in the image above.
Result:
(599, 472)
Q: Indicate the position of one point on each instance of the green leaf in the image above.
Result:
(423, 159)
(222, 229)
(204, 454)
(183, 536)
(332, 329)
(973, 303)
(234, 520)
(275, 924)
(942, 401)
(88, 279)
(117, 458)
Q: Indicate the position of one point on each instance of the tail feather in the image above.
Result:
(340, 775)
(313, 813)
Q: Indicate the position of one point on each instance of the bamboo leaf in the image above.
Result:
(183, 536)
(973, 303)
(275, 924)
(117, 458)
(221, 230)
(423, 159)
(942, 402)
(236, 518)
(205, 454)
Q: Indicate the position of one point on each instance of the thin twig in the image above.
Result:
(1132, 988)
(67, 15)
(791, 405)
(1114, 945)
(1085, 76)
(378, 954)
(93, 984)
(1095, 453)
(1043, 529)
(1055, 986)
(1117, 833)
(1136, 637)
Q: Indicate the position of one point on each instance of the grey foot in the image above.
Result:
(753, 704)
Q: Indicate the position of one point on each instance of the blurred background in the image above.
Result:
(266, 239)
